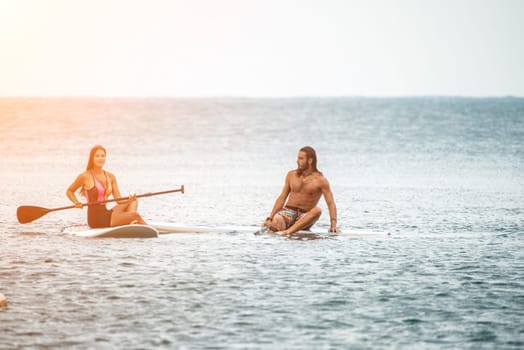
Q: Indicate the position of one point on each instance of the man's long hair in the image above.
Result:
(310, 154)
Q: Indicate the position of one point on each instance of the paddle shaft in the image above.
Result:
(181, 189)
(27, 214)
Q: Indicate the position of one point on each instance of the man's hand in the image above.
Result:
(334, 229)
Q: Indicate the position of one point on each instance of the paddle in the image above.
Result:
(28, 213)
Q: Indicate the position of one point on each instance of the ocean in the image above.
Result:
(443, 175)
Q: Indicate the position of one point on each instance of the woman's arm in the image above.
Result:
(116, 191)
(70, 193)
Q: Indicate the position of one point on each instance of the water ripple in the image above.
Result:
(449, 277)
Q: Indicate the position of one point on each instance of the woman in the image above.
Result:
(96, 185)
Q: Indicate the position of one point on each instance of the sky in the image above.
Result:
(261, 48)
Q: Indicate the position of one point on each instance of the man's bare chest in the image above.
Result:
(305, 185)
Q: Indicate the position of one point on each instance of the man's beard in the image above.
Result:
(300, 171)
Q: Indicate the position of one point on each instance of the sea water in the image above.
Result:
(443, 175)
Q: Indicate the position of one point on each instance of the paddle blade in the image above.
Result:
(27, 213)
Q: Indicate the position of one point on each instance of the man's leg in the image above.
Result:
(282, 220)
(277, 224)
(304, 221)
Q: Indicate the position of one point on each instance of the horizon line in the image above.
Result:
(251, 96)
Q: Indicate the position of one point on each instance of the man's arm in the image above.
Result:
(330, 201)
(280, 201)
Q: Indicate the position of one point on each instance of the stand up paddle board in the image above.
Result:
(125, 231)
(165, 227)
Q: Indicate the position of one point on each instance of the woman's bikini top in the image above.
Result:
(98, 192)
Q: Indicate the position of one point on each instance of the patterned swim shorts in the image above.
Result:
(290, 216)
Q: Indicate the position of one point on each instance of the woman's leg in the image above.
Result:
(124, 214)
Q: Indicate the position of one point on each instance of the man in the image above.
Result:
(304, 186)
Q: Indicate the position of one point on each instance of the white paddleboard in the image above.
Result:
(125, 231)
(165, 227)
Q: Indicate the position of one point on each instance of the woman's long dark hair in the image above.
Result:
(90, 162)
